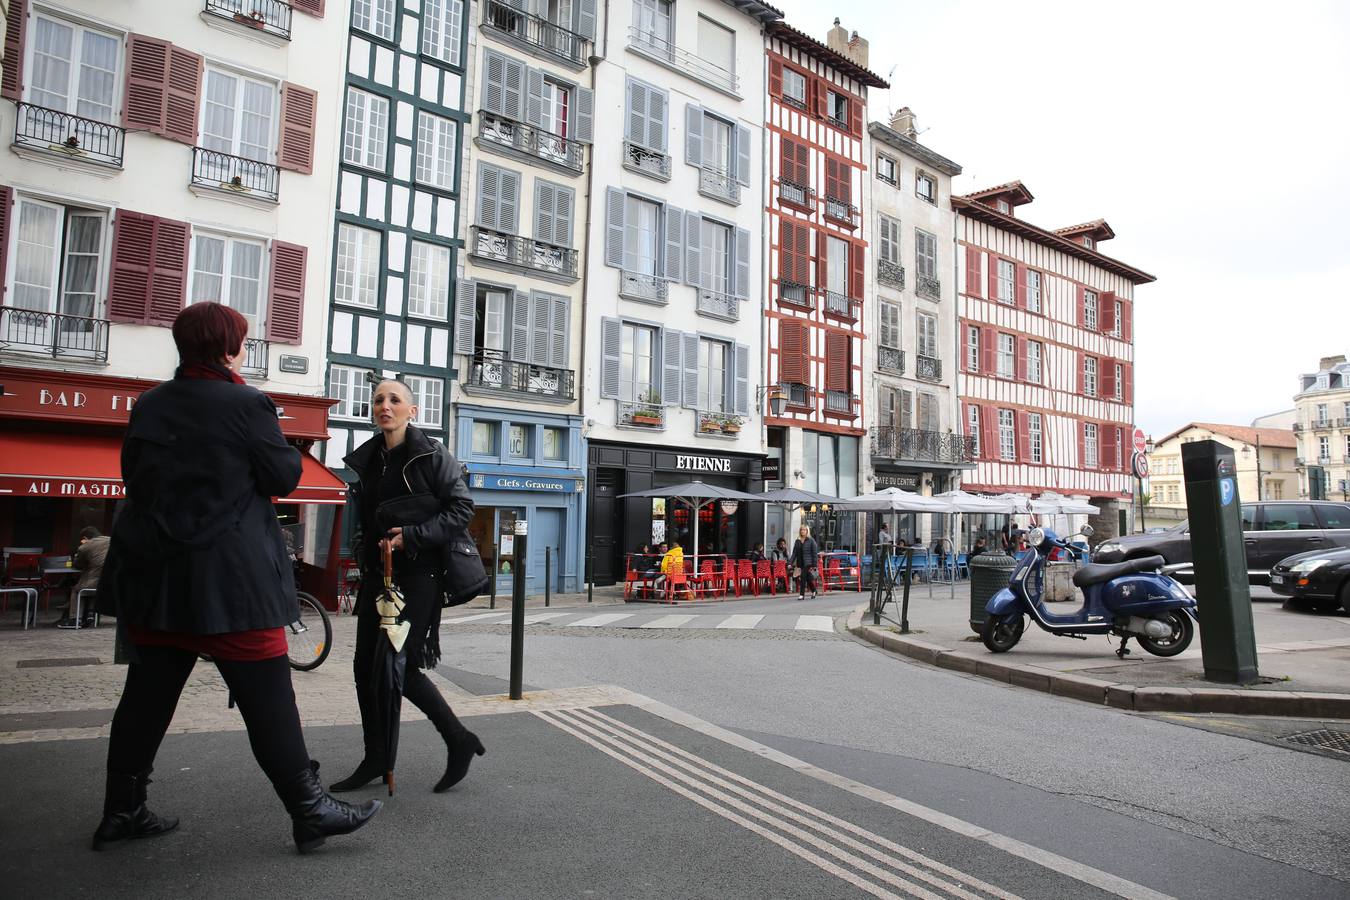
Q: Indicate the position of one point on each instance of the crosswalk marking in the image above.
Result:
(650, 619)
(740, 621)
(815, 623)
(668, 622)
(487, 615)
(603, 619)
(544, 617)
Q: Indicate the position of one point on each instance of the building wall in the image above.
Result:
(1323, 416)
(1167, 486)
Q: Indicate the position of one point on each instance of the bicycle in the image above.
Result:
(310, 637)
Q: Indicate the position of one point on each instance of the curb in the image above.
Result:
(1118, 695)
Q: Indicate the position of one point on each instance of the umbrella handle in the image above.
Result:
(388, 565)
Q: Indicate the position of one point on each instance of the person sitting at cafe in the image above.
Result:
(780, 550)
(756, 552)
(671, 561)
(89, 563)
(981, 546)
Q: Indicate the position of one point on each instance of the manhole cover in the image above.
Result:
(61, 661)
(1323, 739)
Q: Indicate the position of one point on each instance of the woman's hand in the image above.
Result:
(394, 541)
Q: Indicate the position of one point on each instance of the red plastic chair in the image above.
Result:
(707, 580)
(745, 576)
(832, 575)
(729, 582)
(677, 581)
(763, 573)
(780, 571)
(631, 577)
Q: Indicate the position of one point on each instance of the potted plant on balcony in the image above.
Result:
(254, 19)
(649, 410)
(710, 423)
(732, 424)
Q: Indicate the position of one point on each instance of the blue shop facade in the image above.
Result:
(529, 466)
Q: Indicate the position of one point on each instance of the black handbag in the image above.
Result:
(412, 509)
(464, 577)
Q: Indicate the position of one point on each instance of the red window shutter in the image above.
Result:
(822, 259)
(973, 274)
(183, 97)
(988, 351)
(792, 352)
(1020, 285)
(1127, 376)
(147, 77)
(129, 275)
(1020, 358)
(844, 184)
(989, 429)
(775, 78)
(855, 271)
(1079, 358)
(787, 159)
(297, 128)
(1107, 377)
(804, 254)
(1081, 427)
(1081, 304)
(832, 178)
(16, 34)
(1106, 311)
(1023, 437)
(168, 280)
(6, 202)
(804, 165)
(837, 363)
(993, 277)
(855, 110)
(1126, 320)
(313, 7)
(822, 100)
(286, 293)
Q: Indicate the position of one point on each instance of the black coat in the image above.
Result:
(806, 553)
(196, 548)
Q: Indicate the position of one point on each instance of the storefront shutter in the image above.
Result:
(286, 293)
(742, 380)
(298, 105)
(742, 263)
(689, 370)
(611, 349)
(168, 279)
(855, 270)
(973, 273)
(792, 351)
(147, 79)
(520, 326)
(6, 205)
(614, 226)
(182, 100)
(693, 247)
(534, 97)
(560, 331)
(11, 69)
(586, 19)
(583, 115)
(673, 227)
(670, 367)
(837, 363)
(1106, 311)
(693, 134)
(466, 303)
(744, 149)
(313, 7)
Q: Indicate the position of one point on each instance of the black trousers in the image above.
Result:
(261, 689)
(422, 596)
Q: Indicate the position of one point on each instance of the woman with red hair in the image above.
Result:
(197, 564)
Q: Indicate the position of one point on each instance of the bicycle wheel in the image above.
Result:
(309, 638)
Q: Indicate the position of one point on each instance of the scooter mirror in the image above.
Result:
(1087, 531)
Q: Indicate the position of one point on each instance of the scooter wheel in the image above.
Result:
(1001, 633)
(1183, 632)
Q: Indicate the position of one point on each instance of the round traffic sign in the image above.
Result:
(1140, 466)
(1140, 442)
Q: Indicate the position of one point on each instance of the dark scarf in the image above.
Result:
(208, 371)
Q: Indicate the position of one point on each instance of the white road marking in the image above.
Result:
(543, 617)
(487, 615)
(815, 623)
(740, 621)
(668, 622)
(603, 619)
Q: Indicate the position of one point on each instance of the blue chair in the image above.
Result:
(962, 565)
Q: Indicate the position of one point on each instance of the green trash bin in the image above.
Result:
(989, 574)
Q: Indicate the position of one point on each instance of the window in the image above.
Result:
(890, 324)
(1274, 490)
(554, 104)
(925, 188)
(72, 69)
(651, 24)
(718, 145)
(1120, 382)
(973, 348)
(237, 115)
(441, 24)
(1006, 355)
(1005, 207)
(1333, 515)
(712, 375)
(483, 440)
(973, 428)
(1090, 454)
(375, 17)
(1090, 376)
(1007, 435)
(1090, 310)
(1033, 291)
(637, 357)
(428, 396)
(228, 270)
(715, 257)
(1088, 242)
(351, 388)
(518, 440)
(1120, 315)
(1006, 277)
(1324, 449)
(1034, 350)
(836, 267)
(928, 412)
(57, 258)
(1035, 437)
(429, 280)
(436, 151)
(358, 266)
(837, 108)
(717, 44)
(888, 170)
(794, 85)
(925, 254)
(890, 240)
(927, 344)
(641, 240)
(1288, 517)
(365, 135)
(554, 443)
(1322, 414)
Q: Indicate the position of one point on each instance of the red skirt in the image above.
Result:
(234, 646)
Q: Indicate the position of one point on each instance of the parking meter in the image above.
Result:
(1223, 598)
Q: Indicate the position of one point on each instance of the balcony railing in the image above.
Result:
(717, 424)
(794, 102)
(842, 306)
(235, 174)
(53, 334)
(841, 211)
(524, 253)
(794, 293)
(681, 60)
(270, 16)
(71, 136)
(643, 288)
(840, 402)
(642, 415)
(837, 122)
(526, 140)
(798, 395)
(719, 185)
(890, 442)
(890, 273)
(927, 368)
(1299, 426)
(647, 162)
(797, 194)
(929, 288)
(889, 359)
(492, 369)
(255, 357)
(1321, 424)
(536, 33)
(719, 305)
(887, 179)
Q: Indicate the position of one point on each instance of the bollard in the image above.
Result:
(590, 576)
(548, 574)
(909, 576)
(518, 610)
(496, 547)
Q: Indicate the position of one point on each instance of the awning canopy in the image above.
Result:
(72, 466)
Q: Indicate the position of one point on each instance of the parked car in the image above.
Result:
(1271, 529)
(1321, 577)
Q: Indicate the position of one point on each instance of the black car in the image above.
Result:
(1271, 529)
(1321, 577)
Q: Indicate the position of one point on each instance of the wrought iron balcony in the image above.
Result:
(718, 305)
(70, 136)
(651, 416)
(837, 122)
(536, 34)
(717, 424)
(927, 368)
(795, 294)
(841, 306)
(492, 369)
(535, 144)
(887, 179)
(1321, 424)
(792, 101)
(841, 211)
(662, 51)
(1298, 426)
(53, 334)
(646, 161)
(524, 253)
(929, 288)
(255, 357)
(270, 16)
(798, 395)
(841, 402)
(644, 288)
(890, 442)
(889, 359)
(890, 273)
(718, 185)
(235, 174)
(797, 194)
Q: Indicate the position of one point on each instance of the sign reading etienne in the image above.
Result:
(702, 463)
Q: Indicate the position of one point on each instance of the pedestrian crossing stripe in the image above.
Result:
(689, 621)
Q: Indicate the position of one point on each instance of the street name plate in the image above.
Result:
(296, 365)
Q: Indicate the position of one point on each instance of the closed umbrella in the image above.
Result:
(391, 666)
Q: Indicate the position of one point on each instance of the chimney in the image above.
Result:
(902, 120)
(854, 48)
(1330, 362)
(857, 50)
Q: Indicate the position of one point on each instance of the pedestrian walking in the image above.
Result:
(412, 497)
(805, 557)
(89, 559)
(884, 537)
(197, 565)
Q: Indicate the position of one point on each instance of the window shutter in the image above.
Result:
(693, 135)
(635, 115)
(489, 189)
(1020, 285)
(563, 207)
(844, 183)
(855, 120)
(1078, 385)
(993, 277)
(494, 82)
(1126, 320)
(742, 264)
(1110, 457)
(906, 407)
(670, 367)
(1020, 359)
(743, 150)
(131, 267)
(855, 271)
(689, 370)
(16, 35)
(313, 7)
(168, 279)
(182, 100)
(534, 97)
(1107, 378)
(1106, 311)
(988, 351)
(792, 351)
(6, 205)
(673, 257)
(973, 274)
(803, 253)
(298, 104)
(611, 351)
(822, 260)
(742, 380)
(693, 246)
(837, 368)
(520, 326)
(545, 200)
(513, 88)
(286, 294)
(466, 304)
(972, 341)
(1024, 436)
(147, 79)
(775, 78)
(586, 19)
(541, 327)
(832, 179)
(787, 159)
(1080, 298)
(615, 205)
(583, 115)
(560, 331)
(508, 202)
(989, 438)
(658, 102)
(1127, 389)
(822, 104)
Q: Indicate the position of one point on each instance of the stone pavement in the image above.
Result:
(1302, 657)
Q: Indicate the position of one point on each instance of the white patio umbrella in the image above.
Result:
(961, 501)
(1058, 504)
(894, 499)
(696, 495)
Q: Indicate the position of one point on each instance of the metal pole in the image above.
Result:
(518, 610)
(496, 567)
(909, 576)
(548, 574)
(590, 575)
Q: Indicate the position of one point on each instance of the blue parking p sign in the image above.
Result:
(1227, 491)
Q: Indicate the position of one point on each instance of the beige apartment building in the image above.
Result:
(1265, 466)
(1323, 431)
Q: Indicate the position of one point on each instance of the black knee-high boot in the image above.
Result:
(125, 815)
(461, 745)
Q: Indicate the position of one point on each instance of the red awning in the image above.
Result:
(71, 466)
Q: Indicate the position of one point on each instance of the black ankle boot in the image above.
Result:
(460, 751)
(365, 773)
(125, 815)
(316, 814)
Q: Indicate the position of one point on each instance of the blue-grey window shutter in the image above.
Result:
(743, 139)
(585, 15)
(693, 246)
(692, 397)
(540, 327)
(615, 204)
(489, 190)
(611, 349)
(563, 205)
(520, 325)
(508, 201)
(513, 88)
(544, 202)
(560, 331)
(534, 97)
(635, 112)
(742, 263)
(494, 76)
(583, 113)
(673, 258)
(742, 380)
(658, 102)
(693, 134)
(670, 367)
(466, 304)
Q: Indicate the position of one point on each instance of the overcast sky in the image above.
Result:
(1214, 138)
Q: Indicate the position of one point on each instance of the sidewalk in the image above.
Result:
(1303, 658)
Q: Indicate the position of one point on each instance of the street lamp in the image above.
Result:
(1260, 487)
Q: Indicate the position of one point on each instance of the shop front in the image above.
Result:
(60, 467)
(621, 525)
(906, 528)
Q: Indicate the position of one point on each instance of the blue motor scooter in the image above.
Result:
(1133, 599)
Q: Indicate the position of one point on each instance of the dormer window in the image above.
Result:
(1004, 207)
(1088, 242)
(1323, 382)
